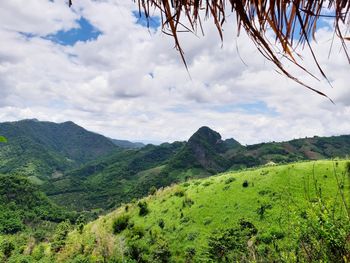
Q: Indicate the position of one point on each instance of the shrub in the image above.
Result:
(137, 251)
(207, 221)
(6, 247)
(192, 236)
(187, 202)
(152, 190)
(230, 180)
(189, 254)
(137, 232)
(143, 208)
(161, 223)
(245, 183)
(262, 209)
(120, 224)
(60, 235)
(226, 188)
(207, 183)
(162, 252)
(347, 168)
(179, 193)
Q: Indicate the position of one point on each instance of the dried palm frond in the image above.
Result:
(287, 19)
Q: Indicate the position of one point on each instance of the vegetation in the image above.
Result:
(124, 175)
(288, 213)
(46, 150)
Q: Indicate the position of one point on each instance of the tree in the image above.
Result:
(3, 139)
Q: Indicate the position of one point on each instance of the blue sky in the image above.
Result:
(84, 32)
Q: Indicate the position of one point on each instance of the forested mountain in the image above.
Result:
(84, 170)
(131, 174)
(49, 164)
(46, 149)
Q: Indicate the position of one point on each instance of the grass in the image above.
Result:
(189, 219)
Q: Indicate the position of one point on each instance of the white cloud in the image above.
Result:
(130, 83)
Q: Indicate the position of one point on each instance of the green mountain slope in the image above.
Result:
(47, 149)
(117, 178)
(23, 205)
(288, 213)
(130, 174)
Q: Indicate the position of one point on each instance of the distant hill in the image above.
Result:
(36, 148)
(131, 173)
(85, 170)
(127, 144)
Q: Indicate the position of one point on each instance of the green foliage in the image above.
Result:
(23, 203)
(152, 190)
(230, 180)
(230, 245)
(143, 206)
(245, 184)
(3, 139)
(161, 223)
(120, 223)
(60, 236)
(262, 210)
(324, 236)
(161, 252)
(6, 248)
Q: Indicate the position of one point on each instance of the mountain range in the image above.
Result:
(83, 170)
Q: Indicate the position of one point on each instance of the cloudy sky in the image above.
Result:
(98, 65)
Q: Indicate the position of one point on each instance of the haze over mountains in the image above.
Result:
(84, 170)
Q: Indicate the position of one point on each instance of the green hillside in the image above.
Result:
(129, 174)
(117, 178)
(287, 213)
(46, 149)
(23, 205)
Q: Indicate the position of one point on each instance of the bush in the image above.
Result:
(192, 236)
(262, 209)
(347, 168)
(187, 202)
(230, 245)
(136, 232)
(189, 254)
(60, 235)
(230, 180)
(143, 208)
(245, 184)
(162, 252)
(6, 247)
(207, 183)
(120, 224)
(161, 223)
(152, 190)
(179, 193)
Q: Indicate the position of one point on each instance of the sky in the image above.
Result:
(99, 65)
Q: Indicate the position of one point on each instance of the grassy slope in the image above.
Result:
(217, 204)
